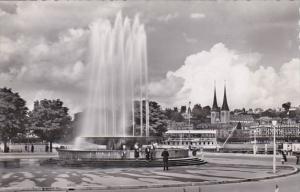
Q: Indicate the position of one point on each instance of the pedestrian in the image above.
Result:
(147, 152)
(297, 161)
(32, 148)
(26, 148)
(47, 148)
(124, 152)
(283, 156)
(136, 152)
(276, 188)
(152, 152)
(194, 153)
(165, 155)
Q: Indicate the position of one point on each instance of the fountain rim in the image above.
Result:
(116, 136)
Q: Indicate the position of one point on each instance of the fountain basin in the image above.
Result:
(116, 158)
(116, 143)
(96, 155)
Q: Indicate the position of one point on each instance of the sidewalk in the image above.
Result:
(28, 155)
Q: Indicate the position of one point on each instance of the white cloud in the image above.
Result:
(189, 39)
(168, 17)
(197, 15)
(46, 57)
(39, 69)
(166, 88)
(262, 87)
(2, 13)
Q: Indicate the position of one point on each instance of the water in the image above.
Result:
(118, 75)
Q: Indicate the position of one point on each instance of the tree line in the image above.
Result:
(49, 119)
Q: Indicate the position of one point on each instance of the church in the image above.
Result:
(220, 115)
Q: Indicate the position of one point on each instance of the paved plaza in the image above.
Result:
(221, 168)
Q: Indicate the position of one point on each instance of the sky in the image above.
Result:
(253, 46)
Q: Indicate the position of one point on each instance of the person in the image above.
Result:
(152, 152)
(32, 148)
(6, 149)
(284, 156)
(165, 155)
(124, 152)
(147, 152)
(136, 151)
(47, 148)
(26, 148)
(276, 188)
(297, 159)
(194, 153)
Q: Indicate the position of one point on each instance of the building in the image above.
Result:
(192, 138)
(225, 113)
(173, 125)
(215, 112)
(217, 115)
(241, 118)
(284, 132)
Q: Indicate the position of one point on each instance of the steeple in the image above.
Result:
(215, 104)
(225, 104)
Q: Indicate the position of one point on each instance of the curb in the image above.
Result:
(187, 184)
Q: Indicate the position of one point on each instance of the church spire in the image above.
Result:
(215, 104)
(225, 104)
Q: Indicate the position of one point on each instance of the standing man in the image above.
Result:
(147, 151)
(165, 155)
(32, 148)
(152, 152)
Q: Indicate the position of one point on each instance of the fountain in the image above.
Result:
(118, 78)
(118, 75)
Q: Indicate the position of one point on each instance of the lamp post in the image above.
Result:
(274, 123)
(189, 115)
(254, 146)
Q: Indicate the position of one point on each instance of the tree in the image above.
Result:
(200, 113)
(50, 120)
(286, 106)
(269, 113)
(174, 115)
(183, 109)
(13, 115)
(175, 109)
(157, 118)
(197, 111)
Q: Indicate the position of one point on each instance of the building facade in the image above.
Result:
(283, 132)
(206, 139)
(220, 115)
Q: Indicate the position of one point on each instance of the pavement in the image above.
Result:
(223, 172)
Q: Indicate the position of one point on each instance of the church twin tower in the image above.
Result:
(216, 117)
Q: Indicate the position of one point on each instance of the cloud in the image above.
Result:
(166, 88)
(48, 19)
(2, 13)
(168, 17)
(197, 15)
(246, 87)
(189, 39)
(47, 57)
(39, 68)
